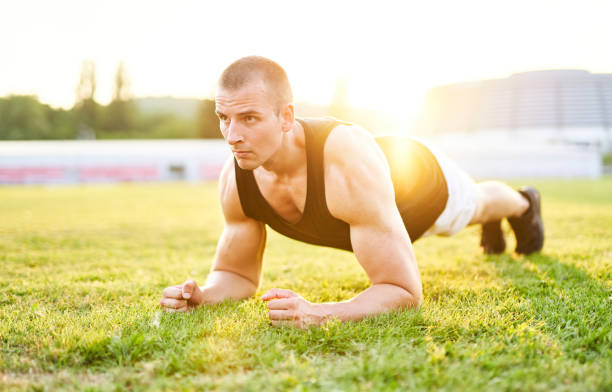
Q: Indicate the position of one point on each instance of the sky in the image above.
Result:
(389, 52)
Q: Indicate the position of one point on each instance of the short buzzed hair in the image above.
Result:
(250, 68)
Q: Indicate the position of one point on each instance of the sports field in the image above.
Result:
(82, 270)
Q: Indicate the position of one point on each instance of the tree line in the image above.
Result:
(24, 117)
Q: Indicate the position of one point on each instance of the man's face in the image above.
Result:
(249, 123)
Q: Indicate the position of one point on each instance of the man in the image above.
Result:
(331, 183)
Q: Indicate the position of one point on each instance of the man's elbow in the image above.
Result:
(418, 300)
(410, 299)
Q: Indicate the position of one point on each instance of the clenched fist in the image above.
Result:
(288, 308)
(182, 298)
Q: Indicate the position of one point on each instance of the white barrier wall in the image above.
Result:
(490, 155)
(70, 162)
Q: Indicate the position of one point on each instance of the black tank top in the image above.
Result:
(420, 190)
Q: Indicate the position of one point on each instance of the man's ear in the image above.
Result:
(287, 114)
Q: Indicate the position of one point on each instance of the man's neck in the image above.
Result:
(290, 158)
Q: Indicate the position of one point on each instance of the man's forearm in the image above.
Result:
(379, 298)
(222, 285)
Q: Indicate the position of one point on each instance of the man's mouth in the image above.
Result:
(241, 153)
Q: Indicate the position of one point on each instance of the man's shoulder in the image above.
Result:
(349, 142)
(321, 121)
(355, 167)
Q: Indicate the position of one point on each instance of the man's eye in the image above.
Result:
(249, 119)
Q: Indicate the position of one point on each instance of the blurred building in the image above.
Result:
(552, 123)
(568, 106)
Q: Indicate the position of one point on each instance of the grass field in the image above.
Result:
(82, 270)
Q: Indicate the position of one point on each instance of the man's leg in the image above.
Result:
(496, 201)
(487, 203)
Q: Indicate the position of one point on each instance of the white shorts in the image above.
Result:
(462, 198)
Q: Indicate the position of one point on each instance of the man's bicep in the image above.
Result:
(379, 238)
(361, 193)
(380, 241)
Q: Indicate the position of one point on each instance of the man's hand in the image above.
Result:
(182, 298)
(288, 308)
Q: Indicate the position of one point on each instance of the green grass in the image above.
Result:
(82, 270)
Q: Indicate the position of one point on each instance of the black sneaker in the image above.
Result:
(492, 240)
(528, 228)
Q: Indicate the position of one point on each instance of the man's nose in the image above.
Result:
(233, 133)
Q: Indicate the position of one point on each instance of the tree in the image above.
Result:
(207, 120)
(23, 117)
(121, 113)
(85, 104)
(121, 88)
